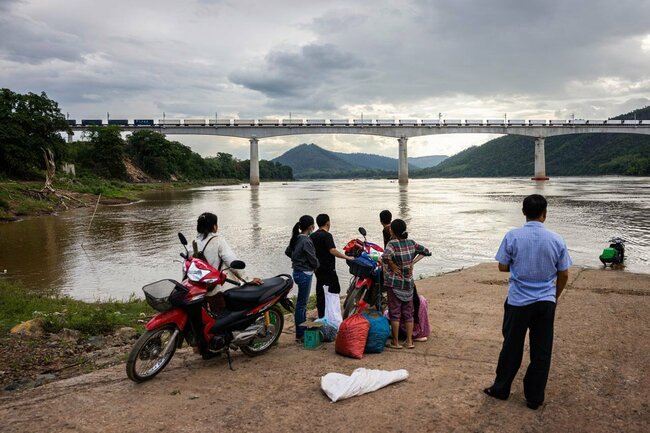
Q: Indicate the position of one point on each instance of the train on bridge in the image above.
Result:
(306, 123)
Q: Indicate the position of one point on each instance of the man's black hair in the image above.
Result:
(385, 217)
(322, 219)
(534, 206)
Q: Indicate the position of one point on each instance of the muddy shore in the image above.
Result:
(599, 379)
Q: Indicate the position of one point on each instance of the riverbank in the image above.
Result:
(46, 337)
(24, 198)
(599, 381)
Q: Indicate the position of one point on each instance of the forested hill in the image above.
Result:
(31, 123)
(567, 155)
(371, 161)
(640, 114)
(310, 161)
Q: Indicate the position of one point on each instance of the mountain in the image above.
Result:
(640, 114)
(566, 155)
(371, 161)
(427, 161)
(312, 161)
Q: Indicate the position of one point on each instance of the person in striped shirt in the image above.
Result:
(398, 258)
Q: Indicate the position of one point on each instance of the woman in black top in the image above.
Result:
(304, 263)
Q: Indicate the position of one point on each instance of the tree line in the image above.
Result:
(31, 123)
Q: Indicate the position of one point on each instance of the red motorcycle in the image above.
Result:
(247, 317)
(366, 283)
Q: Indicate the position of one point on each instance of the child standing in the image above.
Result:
(398, 256)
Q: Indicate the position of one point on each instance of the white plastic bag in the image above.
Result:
(333, 309)
(362, 380)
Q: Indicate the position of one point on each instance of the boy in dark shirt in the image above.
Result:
(385, 217)
(326, 252)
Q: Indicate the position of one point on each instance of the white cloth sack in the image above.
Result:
(362, 380)
(333, 309)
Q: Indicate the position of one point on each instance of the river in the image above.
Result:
(462, 222)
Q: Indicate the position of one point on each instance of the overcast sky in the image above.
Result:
(330, 59)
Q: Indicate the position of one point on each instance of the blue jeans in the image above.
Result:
(303, 281)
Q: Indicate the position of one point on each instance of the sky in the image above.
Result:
(333, 59)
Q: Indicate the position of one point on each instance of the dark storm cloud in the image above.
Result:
(450, 47)
(383, 58)
(300, 74)
(27, 40)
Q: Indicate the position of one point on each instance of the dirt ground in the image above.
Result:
(599, 380)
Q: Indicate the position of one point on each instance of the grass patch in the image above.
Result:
(57, 312)
(21, 198)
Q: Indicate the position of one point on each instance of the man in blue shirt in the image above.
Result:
(538, 262)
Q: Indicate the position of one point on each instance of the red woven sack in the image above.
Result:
(352, 336)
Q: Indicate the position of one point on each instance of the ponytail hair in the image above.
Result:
(398, 228)
(303, 224)
(205, 223)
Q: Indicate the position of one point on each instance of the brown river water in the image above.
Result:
(461, 221)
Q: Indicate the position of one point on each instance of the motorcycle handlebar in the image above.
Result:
(236, 283)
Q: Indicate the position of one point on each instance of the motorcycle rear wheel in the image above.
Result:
(151, 353)
(259, 345)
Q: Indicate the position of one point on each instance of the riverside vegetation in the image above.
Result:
(105, 162)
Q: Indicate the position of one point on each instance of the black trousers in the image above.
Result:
(329, 279)
(538, 318)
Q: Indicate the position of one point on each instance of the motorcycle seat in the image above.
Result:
(248, 295)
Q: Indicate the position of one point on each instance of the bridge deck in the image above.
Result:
(263, 131)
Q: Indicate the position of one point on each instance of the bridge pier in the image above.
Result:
(254, 163)
(403, 169)
(70, 138)
(540, 160)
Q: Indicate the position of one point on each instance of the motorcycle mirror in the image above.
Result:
(237, 264)
(182, 238)
(362, 231)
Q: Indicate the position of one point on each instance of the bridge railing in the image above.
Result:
(306, 123)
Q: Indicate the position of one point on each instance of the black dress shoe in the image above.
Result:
(491, 393)
(533, 406)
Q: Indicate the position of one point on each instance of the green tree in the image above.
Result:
(104, 152)
(28, 124)
(163, 159)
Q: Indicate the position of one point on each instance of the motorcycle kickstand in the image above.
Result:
(229, 360)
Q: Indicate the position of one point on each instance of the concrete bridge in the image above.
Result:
(401, 130)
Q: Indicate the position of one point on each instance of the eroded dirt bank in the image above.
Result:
(599, 379)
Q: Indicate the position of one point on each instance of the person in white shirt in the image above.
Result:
(216, 250)
(217, 253)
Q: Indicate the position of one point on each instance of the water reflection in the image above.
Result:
(256, 229)
(461, 221)
(404, 210)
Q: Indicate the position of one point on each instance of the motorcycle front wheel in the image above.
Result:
(261, 344)
(151, 353)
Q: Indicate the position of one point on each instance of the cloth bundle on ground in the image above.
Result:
(352, 336)
(378, 332)
(362, 380)
(333, 309)
(421, 328)
(327, 330)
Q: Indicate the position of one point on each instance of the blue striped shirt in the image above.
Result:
(535, 256)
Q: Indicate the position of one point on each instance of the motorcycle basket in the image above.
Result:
(361, 268)
(164, 294)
